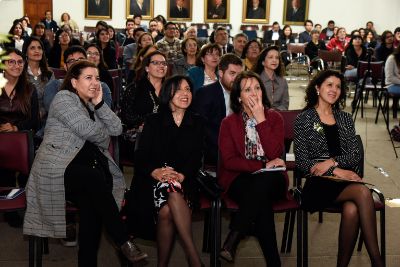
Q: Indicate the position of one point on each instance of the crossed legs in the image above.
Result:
(358, 211)
(175, 216)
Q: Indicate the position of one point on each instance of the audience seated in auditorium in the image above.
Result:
(62, 41)
(205, 71)
(251, 138)
(189, 51)
(108, 48)
(273, 35)
(212, 102)
(74, 164)
(286, 37)
(17, 36)
(38, 31)
(66, 19)
(370, 26)
(250, 53)
(48, 21)
(305, 37)
(325, 144)
(153, 29)
(221, 38)
(239, 42)
(386, 47)
(312, 48)
(355, 51)
(271, 70)
(339, 42)
(126, 36)
(170, 45)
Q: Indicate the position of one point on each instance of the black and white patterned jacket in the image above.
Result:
(310, 144)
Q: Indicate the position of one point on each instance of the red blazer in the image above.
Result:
(231, 145)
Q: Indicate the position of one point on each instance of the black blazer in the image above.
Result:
(163, 142)
(209, 102)
(175, 13)
(98, 10)
(268, 36)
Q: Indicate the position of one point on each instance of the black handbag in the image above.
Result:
(209, 185)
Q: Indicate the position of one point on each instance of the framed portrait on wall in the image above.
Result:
(145, 8)
(256, 11)
(98, 9)
(295, 12)
(179, 10)
(216, 10)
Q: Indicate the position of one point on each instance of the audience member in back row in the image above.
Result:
(271, 70)
(327, 33)
(62, 41)
(38, 31)
(251, 138)
(396, 42)
(17, 36)
(73, 163)
(213, 103)
(355, 51)
(18, 111)
(189, 51)
(127, 36)
(339, 42)
(107, 47)
(392, 72)
(325, 144)
(369, 40)
(95, 55)
(205, 71)
(71, 55)
(167, 159)
(305, 37)
(386, 47)
(170, 45)
(38, 75)
(273, 35)
(250, 53)
(313, 46)
(239, 42)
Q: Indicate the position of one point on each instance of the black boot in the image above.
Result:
(228, 251)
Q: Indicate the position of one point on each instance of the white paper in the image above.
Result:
(276, 169)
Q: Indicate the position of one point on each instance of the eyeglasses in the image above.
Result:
(93, 54)
(159, 63)
(13, 62)
(72, 60)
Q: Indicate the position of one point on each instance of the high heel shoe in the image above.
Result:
(132, 252)
(228, 250)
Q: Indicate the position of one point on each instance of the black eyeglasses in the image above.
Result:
(158, 63)
(13, 62)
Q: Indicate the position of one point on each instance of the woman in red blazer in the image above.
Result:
(250, 139)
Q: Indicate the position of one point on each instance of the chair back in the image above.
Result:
(49, 36)
(289, 117)
(59, 73)
(296, 48)
(116, 75)
(375, 67)
(330, 56)
(16, 151)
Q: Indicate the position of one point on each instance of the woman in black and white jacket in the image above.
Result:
(325, 144)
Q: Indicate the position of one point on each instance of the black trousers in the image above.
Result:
(254, 194)
(90, 190)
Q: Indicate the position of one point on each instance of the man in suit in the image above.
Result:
(48, 21)
(178, 10)
(255, 11)
(213, 103)
(296, 12)
(221, 38)
(217, 11)
(273, 35)
(99, 8)
(139, 7)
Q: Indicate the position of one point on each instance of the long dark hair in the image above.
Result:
(311, 97)
(102, 64)
(141, 71)
(247, 46)
(22, 89)
(169, 88)
(44, 68)
(259, 67)
(236, 106)
(74, 72)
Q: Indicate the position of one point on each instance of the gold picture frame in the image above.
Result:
(216, 11)
(292, 17)
(146, 10)
(182, 13)
(256, 15)
(98, 9)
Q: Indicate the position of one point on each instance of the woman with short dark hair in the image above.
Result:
(167, 159)
(250, 53)
(325, 144)
(251, 139)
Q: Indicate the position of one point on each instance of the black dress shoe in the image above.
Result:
(132, 252)
(228, 251)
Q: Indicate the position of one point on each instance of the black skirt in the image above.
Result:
(319, 193)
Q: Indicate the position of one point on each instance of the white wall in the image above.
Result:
(351, 14)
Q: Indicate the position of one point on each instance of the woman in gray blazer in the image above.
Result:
(73, 163)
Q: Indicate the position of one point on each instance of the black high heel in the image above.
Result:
(228, 250)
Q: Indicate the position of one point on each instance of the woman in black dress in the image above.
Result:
(167, 159)
(325, 144)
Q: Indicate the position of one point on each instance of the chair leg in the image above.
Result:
(32, 243)
(305, 239)
(215, 232)
(35, 251)
(383, 235)
(300, 238)
(291, 230)
(206, 232)
(285, 232)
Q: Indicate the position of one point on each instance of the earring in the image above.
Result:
(240, 100)
(317, 92)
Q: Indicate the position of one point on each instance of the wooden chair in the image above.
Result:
(331, 59)
(59, 73)
(116, 75)
(379, 202)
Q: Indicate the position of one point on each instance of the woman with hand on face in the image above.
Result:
(250, 139)
(167, 159)
(270, 68)
(73, 163)
(38, 74)
(325, 144)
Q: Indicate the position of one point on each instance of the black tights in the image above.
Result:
(358, 211)
(175, 216)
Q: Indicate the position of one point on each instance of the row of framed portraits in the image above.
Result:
(295, 12)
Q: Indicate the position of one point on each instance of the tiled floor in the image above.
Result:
(322, 237)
